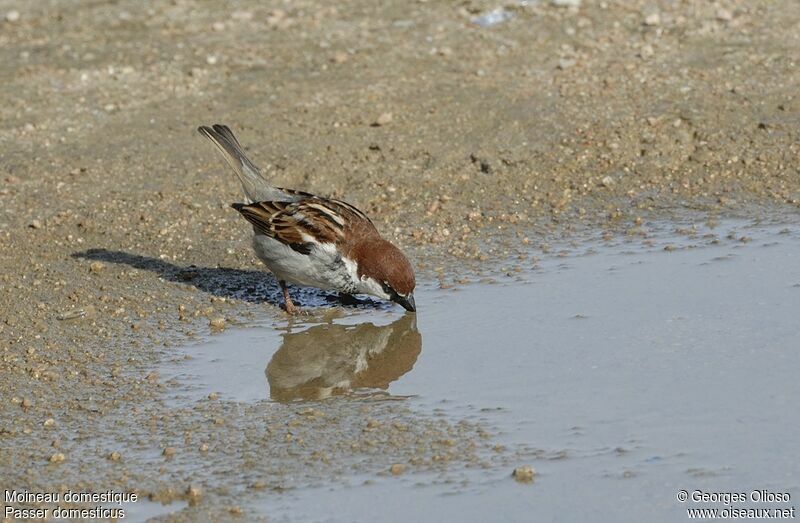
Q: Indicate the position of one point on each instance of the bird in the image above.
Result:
(314, 241)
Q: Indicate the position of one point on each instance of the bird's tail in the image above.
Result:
(255, 186)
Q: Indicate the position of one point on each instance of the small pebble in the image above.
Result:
(397, 469)
(339, 57)
(193, 493)
(217, 324)
(96, 266)
(58, 457)
(652, 19)
(169, 452)
(115, 456)
(383, 119)
(566, 3)
(90, 312)
(12, 16)
(524, 474)
(35, 224)
(566, 63)
(724, 15)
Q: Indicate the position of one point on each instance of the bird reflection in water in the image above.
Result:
(331, 359)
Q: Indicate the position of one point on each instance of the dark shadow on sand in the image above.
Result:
(252, 286)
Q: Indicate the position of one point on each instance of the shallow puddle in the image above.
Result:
(622, 376)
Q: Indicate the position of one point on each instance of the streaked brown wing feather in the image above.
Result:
(357, 212)
(311, 220)
(260, 214)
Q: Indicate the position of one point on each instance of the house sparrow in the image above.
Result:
(314, 241)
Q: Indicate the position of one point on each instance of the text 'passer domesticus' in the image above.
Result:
(313, 241)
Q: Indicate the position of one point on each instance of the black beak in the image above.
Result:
(407, 303)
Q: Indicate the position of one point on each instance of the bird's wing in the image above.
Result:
(304, 223)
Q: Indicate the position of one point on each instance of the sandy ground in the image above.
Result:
(467, 144)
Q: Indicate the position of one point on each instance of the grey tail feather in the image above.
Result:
(254, 184)
(225, 131)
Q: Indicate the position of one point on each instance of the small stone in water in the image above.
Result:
(397, 469)
(193, 493)
(217, 324)
(524, 474)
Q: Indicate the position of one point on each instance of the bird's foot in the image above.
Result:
(288, 304)
(294, 311)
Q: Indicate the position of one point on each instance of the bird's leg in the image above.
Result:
(287, 300)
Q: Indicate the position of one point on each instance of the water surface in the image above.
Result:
(623, 376)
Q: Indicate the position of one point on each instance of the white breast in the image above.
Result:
(323, 267)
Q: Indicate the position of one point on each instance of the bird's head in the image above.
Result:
(385, 272)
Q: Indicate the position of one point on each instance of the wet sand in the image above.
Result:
(470, 146)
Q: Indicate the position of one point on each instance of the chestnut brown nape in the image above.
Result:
(379, 259)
